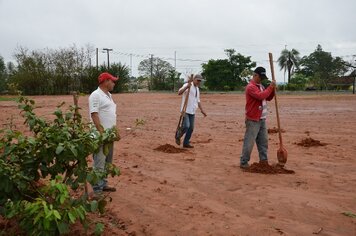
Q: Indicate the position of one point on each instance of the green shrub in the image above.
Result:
(37, 171)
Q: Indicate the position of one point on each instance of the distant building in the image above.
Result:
(343, 82)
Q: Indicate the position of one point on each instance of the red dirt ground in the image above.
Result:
(203, 191)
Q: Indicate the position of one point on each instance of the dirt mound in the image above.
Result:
(275, 130)
(310, 142)
(265, 168)
(168, 148)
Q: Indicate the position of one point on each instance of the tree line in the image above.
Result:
(61, 71)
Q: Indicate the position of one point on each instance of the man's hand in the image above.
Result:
(273, 83)
(203, 112)
(117, 135)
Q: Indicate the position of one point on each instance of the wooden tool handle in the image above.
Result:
(187, 95)
(275, 99)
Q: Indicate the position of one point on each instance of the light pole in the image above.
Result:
(107, 51)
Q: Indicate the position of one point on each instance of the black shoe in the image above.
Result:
(245, 166)
(109, 189)
(188, 146)
(97, 195)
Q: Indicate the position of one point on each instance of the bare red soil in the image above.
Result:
(203, 191)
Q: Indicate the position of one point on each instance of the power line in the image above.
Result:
(164, 58)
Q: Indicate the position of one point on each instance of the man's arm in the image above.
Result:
(201, 109)
(96, 121)
(256, 93)
(183, 88)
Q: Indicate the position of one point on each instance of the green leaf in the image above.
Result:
(46, 224)
(72, 218)
(49, 214)
(93, 206)
(59, 148)
(99, 228)
(56, 214)
(80, 214)
(101, 205)
(63, 228)
(106, 149)
(62, 199)
(74, 150)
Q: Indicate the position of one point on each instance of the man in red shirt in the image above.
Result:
(256, 114)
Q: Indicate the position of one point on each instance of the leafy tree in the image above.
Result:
(227, 74)
(297, 82)
(90, 81)
(2, 74)
(321, 67)
(123, 73)
(158, 71)
(217, 74)
(68, 67)
(173, 80)
(288, 61)
(50, 71)
(31, 73)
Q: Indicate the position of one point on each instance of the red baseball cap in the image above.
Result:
(104, 76)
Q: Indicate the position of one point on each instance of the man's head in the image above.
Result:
(259, 74)
(107, 81)
(197, 79)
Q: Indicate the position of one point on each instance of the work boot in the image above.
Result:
(109, 189)
(264, 162)
(97, 195)
(188, 146)
(244, 166)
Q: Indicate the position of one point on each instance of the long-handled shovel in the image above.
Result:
(282, 152)
(179, 130)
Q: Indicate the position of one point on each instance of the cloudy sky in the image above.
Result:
(193, 30)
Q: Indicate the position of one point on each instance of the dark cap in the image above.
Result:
(105, 76)
(198, 77)
(261, 72)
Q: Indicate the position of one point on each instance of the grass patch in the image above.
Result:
(2, 99)
(349, 214)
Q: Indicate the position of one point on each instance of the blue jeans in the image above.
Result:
(256, 131)
(100, 160)
(188, 127)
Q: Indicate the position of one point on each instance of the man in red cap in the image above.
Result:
(102, 109)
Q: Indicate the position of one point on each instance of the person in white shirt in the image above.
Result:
(102, 109)
(192, 105)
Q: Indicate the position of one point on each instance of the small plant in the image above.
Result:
(139, 122)
(349, 214)
(38, 171)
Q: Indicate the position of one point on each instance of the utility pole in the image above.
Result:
(175, 69)
(131, 72)
(97, 59)
(107, 52)
(284, 75)
(151, 70)
(130, 64)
